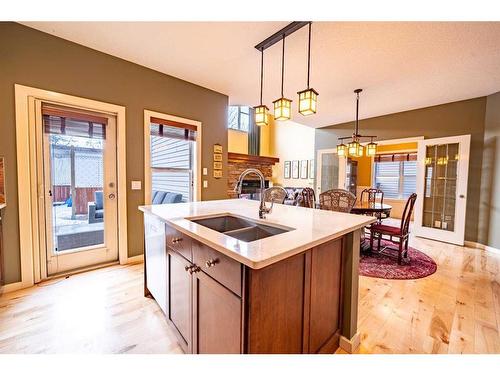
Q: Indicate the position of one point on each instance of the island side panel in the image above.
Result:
(275, 298)
(350, 338)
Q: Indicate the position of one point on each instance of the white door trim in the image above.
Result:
(457, 236)
(147, 152)
(26, 170)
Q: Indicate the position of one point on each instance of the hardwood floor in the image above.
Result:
(456, 310)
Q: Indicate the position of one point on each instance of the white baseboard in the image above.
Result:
(12, 287)
(480, 246)
(349, 345)
(135, 259)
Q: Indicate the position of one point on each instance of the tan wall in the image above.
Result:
(290, 141)
(32, 58)
(457, 118)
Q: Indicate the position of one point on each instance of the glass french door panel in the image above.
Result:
(440, 188)
(76, 185)
(329, 171)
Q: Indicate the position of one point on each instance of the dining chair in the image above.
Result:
(372, 196)
(306, 198)
(337, 200)
(275, 194)
(397, 235)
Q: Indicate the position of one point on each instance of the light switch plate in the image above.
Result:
(205, 183)
(136, 185)
(205, 171)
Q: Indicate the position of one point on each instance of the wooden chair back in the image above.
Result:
(372, 194)
(275, 194)
(406, 218)
(307, 198)
(337, 200)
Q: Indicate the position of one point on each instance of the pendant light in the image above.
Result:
(261, 111)
(308, 97)
(282, 106)
(354, 148)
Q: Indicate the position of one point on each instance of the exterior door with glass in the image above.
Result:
(78, 194)
(442, 172)
(331, 171)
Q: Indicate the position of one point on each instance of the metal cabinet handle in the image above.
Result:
(176, 240)
(188, 268)
(211, 262)
(194, 269)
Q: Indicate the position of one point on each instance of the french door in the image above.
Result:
(331, 171)
(78, 210)
(442, 172)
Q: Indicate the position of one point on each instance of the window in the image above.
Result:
(397, 179)
(239, 117)
(172, 155)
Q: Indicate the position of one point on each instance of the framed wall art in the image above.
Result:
(286, 169)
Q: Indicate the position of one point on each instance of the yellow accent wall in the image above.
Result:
(237, 141)
(397, 147)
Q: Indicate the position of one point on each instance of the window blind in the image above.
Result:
(66, 122)
(172, 129)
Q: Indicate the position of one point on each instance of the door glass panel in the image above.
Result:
(329, 171)
(76, 185)
(441, 164)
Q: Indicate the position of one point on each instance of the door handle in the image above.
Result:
(461, 196)
(112, 196)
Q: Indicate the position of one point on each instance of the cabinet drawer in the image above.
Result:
(225, 270)
(179, 242)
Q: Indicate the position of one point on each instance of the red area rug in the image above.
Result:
(385, 265)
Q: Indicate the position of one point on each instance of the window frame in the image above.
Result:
(239, 128)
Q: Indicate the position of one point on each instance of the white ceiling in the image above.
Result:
(400, 65)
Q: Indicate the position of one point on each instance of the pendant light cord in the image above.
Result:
(309, 56)
(357, 113)
(283, 66)
(261, 73)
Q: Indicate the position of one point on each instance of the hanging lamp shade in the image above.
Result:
(353, 148)
(341, 149)
(371, 149)
(308, 101)
(360, 151)
(261, 115)
(282, 109)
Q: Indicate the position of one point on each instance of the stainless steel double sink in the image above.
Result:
(243, 229)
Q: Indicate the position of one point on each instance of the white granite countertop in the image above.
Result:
(2, 205)
(311, 227)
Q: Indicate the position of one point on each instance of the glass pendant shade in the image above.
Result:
(261, 112)
(341, 149)
(353, 148)
(360, 151)
(307, 102)
(282, 109)
(371, 149)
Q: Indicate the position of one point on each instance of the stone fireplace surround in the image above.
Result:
(237, 163)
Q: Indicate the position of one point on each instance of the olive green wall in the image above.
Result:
(36, 59)
(457, 118)
(489, 219)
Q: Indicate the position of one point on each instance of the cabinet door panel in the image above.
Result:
(156, 260)
(216, 317)
(179, 298)
(325, 294)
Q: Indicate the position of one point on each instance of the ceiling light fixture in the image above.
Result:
(261, 111)
(354, 147)
(308, 97)
(282, 106)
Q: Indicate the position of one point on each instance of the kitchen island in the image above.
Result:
(229, 282)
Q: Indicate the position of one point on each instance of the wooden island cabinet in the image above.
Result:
(215, 304)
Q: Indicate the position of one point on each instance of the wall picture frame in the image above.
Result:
(217, 157)
(286, 169)
(311, 169)
(295, 169)
(218, 173)
(217, 165)
(303, 169)
(218, 149)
